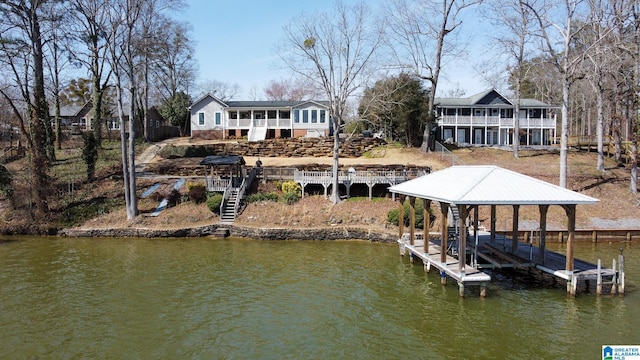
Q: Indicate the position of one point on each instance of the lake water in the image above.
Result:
(244, 299)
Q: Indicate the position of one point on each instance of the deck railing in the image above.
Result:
(357, 177)
(496, 121)
(247, 123)
(218, 185)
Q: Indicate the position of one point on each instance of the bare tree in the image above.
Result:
(92, 31)
(123, 18)
(634, 8)
(422, 37)
(600, 60)
(557, 21)
(515, 18)
(174, 69)
(57, 62)
(149, 36)
(222, 90)
(334, 51)
(21, 54)
(291, 90)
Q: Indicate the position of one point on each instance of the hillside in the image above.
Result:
(617, 208)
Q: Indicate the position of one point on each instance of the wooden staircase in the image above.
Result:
(228, 213)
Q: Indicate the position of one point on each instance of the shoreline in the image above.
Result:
(235, 231)
(338, 232)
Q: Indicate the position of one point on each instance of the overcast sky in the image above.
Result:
(235, 43)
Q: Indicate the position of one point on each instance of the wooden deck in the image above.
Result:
(348, 178)
(499, 255)
(451, 267)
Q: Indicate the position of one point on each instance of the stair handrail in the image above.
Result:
(225, 196)
(246, 182)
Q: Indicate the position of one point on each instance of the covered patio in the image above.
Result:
(464, 189)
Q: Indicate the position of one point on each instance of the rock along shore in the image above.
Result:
(328, 233)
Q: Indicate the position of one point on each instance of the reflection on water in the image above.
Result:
(202, 298)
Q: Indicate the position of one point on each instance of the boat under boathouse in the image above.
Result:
(462, 250)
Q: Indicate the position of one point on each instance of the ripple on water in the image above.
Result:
(197, 298)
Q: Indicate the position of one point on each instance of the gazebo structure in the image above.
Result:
(223, 171)
(227, 174)
(465, 188)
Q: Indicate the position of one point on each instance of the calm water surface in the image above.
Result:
(242, 299)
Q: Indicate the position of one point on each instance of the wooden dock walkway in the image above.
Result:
(499, 255)
(451, 267)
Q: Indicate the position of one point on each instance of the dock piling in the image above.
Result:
(614, 282)
(621, 273)
(599, 278)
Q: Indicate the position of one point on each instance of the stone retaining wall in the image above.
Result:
(290, 147)
(332, 233)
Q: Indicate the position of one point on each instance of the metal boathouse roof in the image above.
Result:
(488, 185)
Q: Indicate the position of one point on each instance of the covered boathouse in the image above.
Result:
(461, 190)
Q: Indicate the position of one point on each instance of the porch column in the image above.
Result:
(444, 211)
(543, 233)
(462, 238)
(401, 217)
(492, 237)
(427, 219)
(571, 229)
(412, 220)
(514, 230)
(476, 236)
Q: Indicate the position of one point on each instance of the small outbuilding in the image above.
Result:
(223, 171)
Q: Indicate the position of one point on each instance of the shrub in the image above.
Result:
(90, 153)
(197, 192)
(214, 202)
(268, 196)
(6, 180)
(173, 198)
(393, 215)
(290, 187)
(290, 198)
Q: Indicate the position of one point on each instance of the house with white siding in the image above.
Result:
(212, 118)
(487, 119)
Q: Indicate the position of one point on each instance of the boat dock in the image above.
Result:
(484, 253)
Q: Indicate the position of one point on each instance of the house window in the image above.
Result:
(314, 116)
(218, 118)
(115, 124)
(201, 118)
(305, 116)
(284, 114)
(322, 116)
(157, 123)
(296, 116)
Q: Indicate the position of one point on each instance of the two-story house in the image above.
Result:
(212, 118)
(487, 119)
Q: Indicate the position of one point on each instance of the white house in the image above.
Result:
(212, 118)
(487, 119)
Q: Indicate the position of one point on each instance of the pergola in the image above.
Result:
(468, 187)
